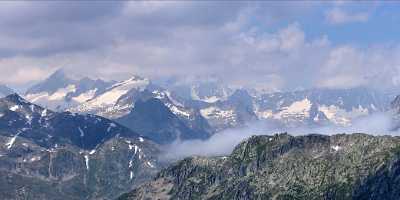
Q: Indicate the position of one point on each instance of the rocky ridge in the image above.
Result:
(355, 166)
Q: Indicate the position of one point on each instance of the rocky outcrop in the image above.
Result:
(30, 171)
(356, 166)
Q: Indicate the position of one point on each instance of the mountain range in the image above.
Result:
(59, 92)
(71, 138)
(216, 105)
(117, 100)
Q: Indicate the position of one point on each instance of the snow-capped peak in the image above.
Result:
(136, 80)
(111, 95)
(15, 99)
(59, 92)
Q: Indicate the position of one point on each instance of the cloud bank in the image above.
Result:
(223, 143)
(267, 45)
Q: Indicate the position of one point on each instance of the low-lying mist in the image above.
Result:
(222, 143)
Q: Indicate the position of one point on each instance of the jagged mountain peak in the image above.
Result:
(15, 98)
(60, 92)
(16, 103)
(154, 106)
(152, 118)
(106, 101)
(59, 73)
(52, 83)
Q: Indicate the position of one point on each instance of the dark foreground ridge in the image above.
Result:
(62, 155)
(356, 166)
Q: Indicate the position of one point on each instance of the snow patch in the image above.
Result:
(264, 114)
(44, 113)
(215, 112)
(35, 158)
(32, 107)
(178, 111)
(158, 94)
(130, 163)
(87, 161)
(36, 97)
(336, 148)
(134, 147)
(61, 93)
(131, 175)
(82, 133)
(11, 142)
(14, 108)
(150, 164)
(174, 101)
(112, 125)
(300, 109)
(83, 97)
(340, 116)
(211, 99)
(111, 96)
(29, 118)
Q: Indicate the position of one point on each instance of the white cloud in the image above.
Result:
(348, 66)
(339, 16)
(291, 37)
(156, 39)
(223, 143)
(20, 71)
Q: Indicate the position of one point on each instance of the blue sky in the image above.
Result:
(380, 27)
(267, 45)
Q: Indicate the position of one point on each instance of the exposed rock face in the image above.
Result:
(46, 127)
(156, 121)
(51, 155)
(235, 111)
(356, 166)
(29, 171)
